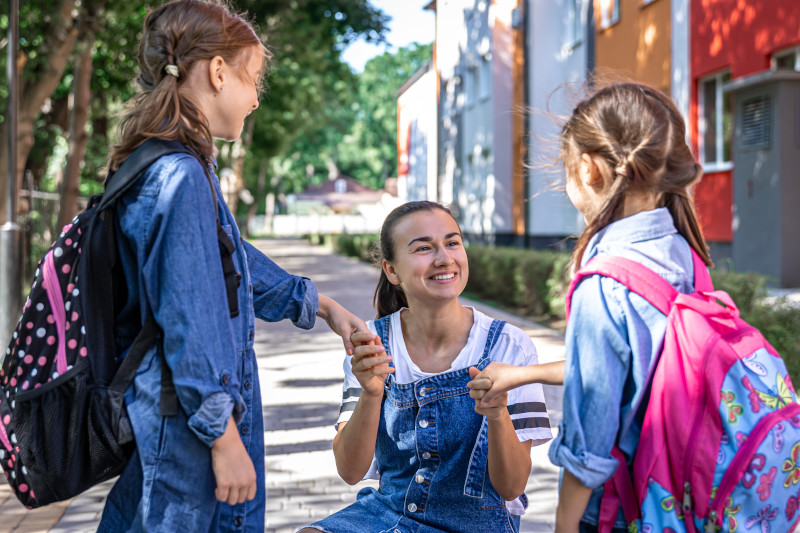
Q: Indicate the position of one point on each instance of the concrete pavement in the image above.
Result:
(301, 378)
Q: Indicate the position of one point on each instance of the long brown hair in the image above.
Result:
(639, 136)
(180, 33)
(388, 297)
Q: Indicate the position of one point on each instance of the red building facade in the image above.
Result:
(731, 40)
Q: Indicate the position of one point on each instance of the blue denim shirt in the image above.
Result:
(170, 254)
(613, 340)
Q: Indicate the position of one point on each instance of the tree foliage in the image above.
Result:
(358, 132)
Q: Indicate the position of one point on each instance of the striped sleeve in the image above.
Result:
(526, 404)
(351, 392)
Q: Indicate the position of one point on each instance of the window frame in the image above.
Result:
(606, 22)
(719, 164)
(793, 50)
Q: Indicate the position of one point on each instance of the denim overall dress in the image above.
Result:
(432, 453)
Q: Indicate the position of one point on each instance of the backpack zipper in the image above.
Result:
(742, 458)
(51, 286)
(687, 473)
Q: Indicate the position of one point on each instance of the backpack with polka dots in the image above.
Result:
(63, 424)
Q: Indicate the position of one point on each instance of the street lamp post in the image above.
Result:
(10, 260)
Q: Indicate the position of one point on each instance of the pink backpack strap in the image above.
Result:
(637, 277)
(618, 491)
(702, 279)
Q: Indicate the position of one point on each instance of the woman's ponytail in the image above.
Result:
(388, 298)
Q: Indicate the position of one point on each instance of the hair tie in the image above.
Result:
(172, 70)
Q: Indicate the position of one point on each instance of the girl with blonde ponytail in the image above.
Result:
(199, 465)
(628, 172)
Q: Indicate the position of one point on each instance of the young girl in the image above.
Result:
(406, 414)
(628, 172)
(203, 468)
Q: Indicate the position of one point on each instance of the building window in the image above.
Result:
(609, 13)
(645, 2)
(574, 33)
(340, 186)
(716, 122)
(787, 59)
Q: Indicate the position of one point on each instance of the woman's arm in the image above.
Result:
(509, 459)
(354, 444)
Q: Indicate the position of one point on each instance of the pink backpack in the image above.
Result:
(720, 441)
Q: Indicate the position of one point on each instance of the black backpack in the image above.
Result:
(63, 424)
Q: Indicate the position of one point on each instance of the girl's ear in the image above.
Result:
(391, 273)
(589, 172)
(216, 73)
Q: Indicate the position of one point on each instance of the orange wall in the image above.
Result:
(638, 46)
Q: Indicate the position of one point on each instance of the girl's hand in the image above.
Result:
(233, 469)
(371, 364)
(494, 380)
(494, 408)
(341, 321)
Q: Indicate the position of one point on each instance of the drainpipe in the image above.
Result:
(10, 260)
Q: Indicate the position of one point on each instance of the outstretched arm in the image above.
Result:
(509, 459)
(498, 378)
(341, 321)
(354, 444)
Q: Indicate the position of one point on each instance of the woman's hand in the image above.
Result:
(491, 383)
(480, 387)
(370, 363)
(341, 321)
(498, 378)
(233, 468)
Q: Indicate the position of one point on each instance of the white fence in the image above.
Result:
(296, 225)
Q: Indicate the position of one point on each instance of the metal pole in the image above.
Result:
(10, 260)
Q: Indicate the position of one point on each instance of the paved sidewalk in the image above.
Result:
(301, 376)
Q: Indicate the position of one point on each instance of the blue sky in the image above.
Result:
(410, 23)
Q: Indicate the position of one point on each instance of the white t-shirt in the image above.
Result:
(513, 347)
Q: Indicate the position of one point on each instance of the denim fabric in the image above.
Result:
(170, 255)
(613, 340)
(432, 450)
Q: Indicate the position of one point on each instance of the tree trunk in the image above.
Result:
(34, 91)
(261, 187)
(81, 95)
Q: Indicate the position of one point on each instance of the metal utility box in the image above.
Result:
(766, 175)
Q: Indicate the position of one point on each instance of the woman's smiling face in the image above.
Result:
(430, 260)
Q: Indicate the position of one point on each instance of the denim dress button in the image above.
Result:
(237, 521)
(245, 430)
(423, 423)
(426, 455)
(225, 379)
(412, 507)
(419, 479)
(248, 385)
(422, 392)
(252, 334)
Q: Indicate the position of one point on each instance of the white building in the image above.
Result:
(559, 51)
(474, 54)
(417, 137)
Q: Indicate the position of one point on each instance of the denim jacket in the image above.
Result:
(170, 254)
(613, 340)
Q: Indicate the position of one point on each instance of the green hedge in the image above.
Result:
(534, 283)
(359, 245)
